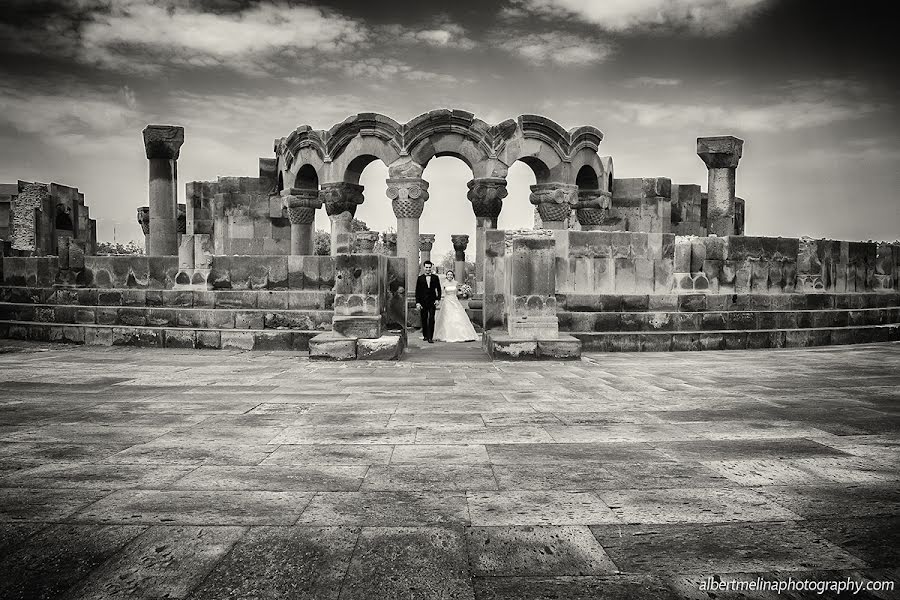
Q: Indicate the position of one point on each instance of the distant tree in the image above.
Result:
(322, 244)
(107, 248)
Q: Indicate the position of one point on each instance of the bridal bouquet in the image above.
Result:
(464, 291)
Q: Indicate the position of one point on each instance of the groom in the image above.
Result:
(428, 295)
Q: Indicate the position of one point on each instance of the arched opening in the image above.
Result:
(375, 211)
(448, 211)
(307, 178)
(518, 212)
(609, 186)
(63, 218)
(587, 179)
(280, 185)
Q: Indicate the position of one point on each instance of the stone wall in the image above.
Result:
(762, 265)
(618, 262)
(30, 213)
(644, 204)
(240, 214)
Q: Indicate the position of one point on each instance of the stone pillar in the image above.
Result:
(163, 144)
(592, 209)
(408, 193)
(721, 155)
(301, 206)
(486, 196)
(390, 245)
(341, 200)
(554, 203)
(143, 219)
(365, 242)
(426, 243)
(460, 243)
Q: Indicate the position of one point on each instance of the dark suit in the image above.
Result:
(427, 295)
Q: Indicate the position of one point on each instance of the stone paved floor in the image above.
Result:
(128, 473)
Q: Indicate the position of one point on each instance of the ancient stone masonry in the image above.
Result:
(616, 264)
(460, 243)
(555, 202)
(41, 219)
(721, 155)
(162, 144)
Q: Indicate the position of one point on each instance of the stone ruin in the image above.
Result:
(614, 264)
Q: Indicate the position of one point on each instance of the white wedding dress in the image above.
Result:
(452, 323)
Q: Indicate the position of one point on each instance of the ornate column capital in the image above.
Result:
(592, 207)
(365, 242)
(340, 197)
(408, 196)
(460, 242)
(390, 243)
(143, 219)
(301, 205)
(426, 242)
(554, 201)
(722, 152)
(163, 141)
(486, 195)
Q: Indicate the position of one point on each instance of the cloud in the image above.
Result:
(446, 34)
(707, 17)
(81, 119)
(256, 39)
(562, 48)
(785, 115)
(651, 82)
(145, 37)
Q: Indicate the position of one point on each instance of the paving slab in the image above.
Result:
(720, 548)
(295, 478)
(693, 505)
(236, 474)
(409, 562)
(301, 563)
(391, 508)
(52, 561)
(196, 507)
(162, 562)
(536, 551)
(538, 508)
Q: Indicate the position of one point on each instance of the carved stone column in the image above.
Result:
(554, 202)
(301, 207)
(408, 193)
(721, 155)
(341, 200)
(163, 144)
(365, 242)
(592, 208)
(426, 243)
(390, 243)
(143, 219)
(460, 243)
(486, 196)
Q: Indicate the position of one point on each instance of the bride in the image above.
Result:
(452, 323)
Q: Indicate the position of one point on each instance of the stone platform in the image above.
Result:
(135, 473)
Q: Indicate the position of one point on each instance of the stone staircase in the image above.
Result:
(221, 319)
(632, 323)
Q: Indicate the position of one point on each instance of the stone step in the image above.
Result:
(159, 337)
(724, 320)
(173, 317)
(735, 340)
(265, 299)
(722, 302)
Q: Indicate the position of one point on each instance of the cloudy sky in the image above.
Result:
(808, 84)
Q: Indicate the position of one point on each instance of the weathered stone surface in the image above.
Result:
(331, 346)
(422, 562)
(536, 551)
